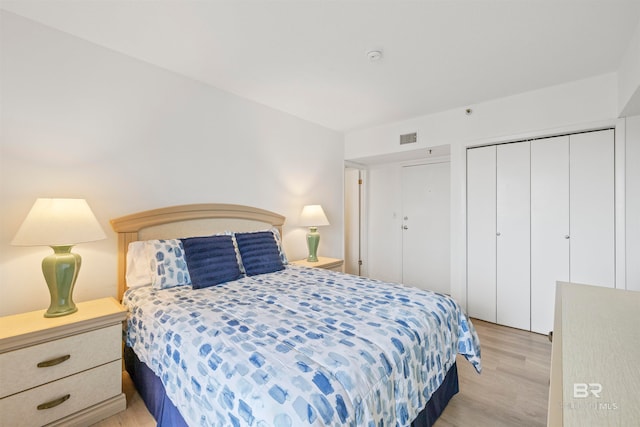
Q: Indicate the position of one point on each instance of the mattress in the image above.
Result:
(299, 347)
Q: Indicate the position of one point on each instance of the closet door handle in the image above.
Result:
(498, 233)
(404, 227)
(566, 236)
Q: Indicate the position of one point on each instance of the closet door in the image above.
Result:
(481, 233)
(513, 235)
(592, 216)
(549, 226)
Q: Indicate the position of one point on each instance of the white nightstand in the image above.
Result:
(334, 264)
(62, 370)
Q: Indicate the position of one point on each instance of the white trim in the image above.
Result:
(364, 225)
(544, 133)
(620, 135)
(425, 161)
(354, 165)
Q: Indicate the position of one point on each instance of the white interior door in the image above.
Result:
(352, 220)
(426, 233)
(481, 233)
(592, 204)
(549, 226)
(513, 235)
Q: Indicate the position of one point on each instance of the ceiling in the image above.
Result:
(308, 57)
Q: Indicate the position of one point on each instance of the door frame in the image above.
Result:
(359, 233)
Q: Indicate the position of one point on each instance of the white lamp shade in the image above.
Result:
(313, 216)
(59, 222)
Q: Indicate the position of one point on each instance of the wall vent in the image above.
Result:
(409, 138)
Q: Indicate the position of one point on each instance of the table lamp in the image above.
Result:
(59, 223)
(313, 216)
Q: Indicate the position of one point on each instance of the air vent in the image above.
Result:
(409, 138)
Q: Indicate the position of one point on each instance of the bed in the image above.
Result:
(279, 345)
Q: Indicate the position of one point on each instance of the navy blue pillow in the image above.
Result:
(259, 252)
(211, 260)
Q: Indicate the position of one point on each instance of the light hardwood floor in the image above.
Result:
(511, 391)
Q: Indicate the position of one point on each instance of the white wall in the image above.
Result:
(574, 106)
(629, 78)
(574, 103)
(79, 120)
(632, 151)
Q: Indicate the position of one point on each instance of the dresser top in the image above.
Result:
(600, 347)
(31, 328)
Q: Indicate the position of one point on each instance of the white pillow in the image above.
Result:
(138, 265)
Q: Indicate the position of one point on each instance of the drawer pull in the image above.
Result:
(54, 362)
(54, 403)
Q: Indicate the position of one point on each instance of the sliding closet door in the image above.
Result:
(513, 239)
(549, 226)
(481, 233)
(592, 217)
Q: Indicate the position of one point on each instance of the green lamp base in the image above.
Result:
(313, 239)
(60, 271)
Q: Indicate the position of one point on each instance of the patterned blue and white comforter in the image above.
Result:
(299, 347)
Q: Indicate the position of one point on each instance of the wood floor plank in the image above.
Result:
(512, 390)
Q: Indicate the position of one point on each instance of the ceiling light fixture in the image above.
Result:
(374, 55)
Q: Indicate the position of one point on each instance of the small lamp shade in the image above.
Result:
(56, 222)
(59, 223)
(313, 216)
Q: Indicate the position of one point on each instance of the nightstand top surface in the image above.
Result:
(31, 328)
(323, 262)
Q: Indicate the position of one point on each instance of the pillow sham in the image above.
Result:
(259, 252)
(168, 264)
(211, 260)
(276, 236)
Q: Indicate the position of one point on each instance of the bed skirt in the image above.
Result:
(152, 391)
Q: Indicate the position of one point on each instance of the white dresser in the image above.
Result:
(595, 357)
(64, 370)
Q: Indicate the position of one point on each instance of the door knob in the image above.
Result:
(498, 233)
(404, 227)
(566, 236)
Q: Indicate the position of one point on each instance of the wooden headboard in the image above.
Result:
(186, 221)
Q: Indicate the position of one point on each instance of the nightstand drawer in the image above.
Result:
(58, 359)
(63, 397)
